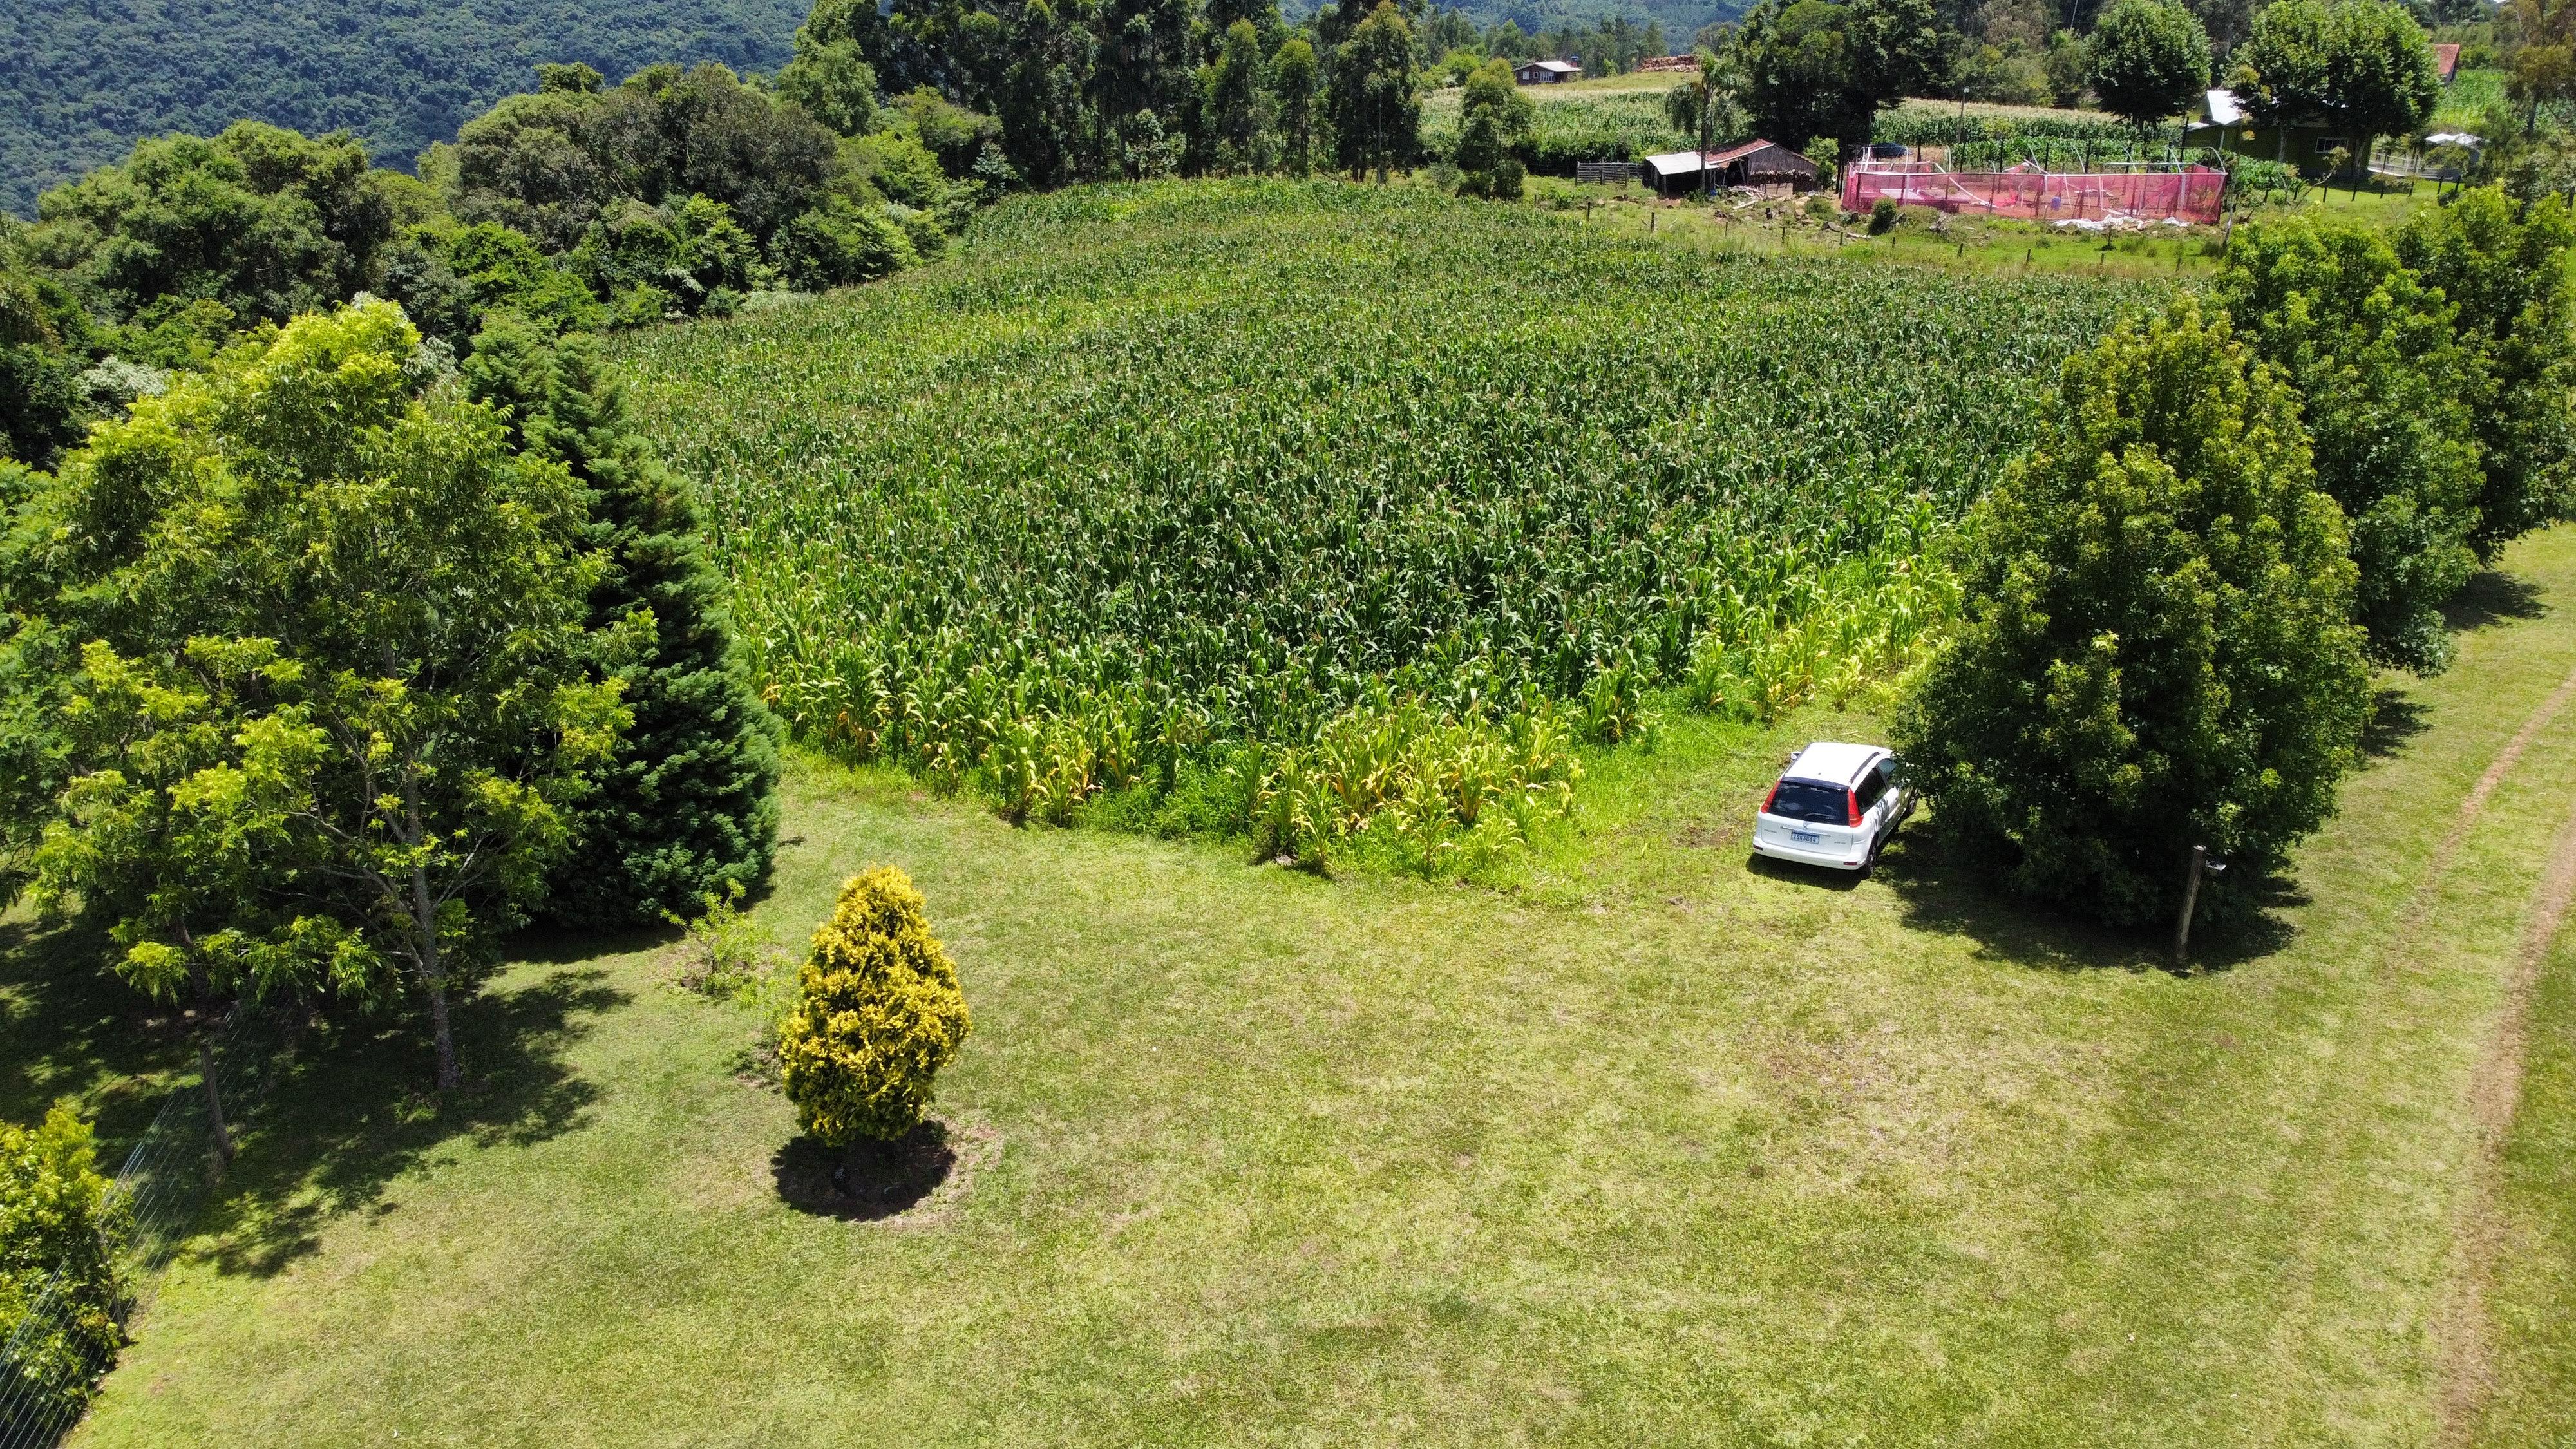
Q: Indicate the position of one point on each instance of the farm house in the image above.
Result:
(1546, 72)
(2307, 145)
(1753, 163)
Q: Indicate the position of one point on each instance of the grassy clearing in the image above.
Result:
(1659, 1148)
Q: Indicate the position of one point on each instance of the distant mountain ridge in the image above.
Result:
(81, 80)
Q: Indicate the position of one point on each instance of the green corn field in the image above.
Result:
(1333, 513)
(1575, 126)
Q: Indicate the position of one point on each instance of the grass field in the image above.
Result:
(1657, 1147)
(2531, 1370)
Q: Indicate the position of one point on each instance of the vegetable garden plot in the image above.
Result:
(2191, 193)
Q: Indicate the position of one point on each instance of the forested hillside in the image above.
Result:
(83, 79)
(1679, 18)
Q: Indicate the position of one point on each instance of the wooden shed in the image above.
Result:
(1753, 163)
(1546, 72)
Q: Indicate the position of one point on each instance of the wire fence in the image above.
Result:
(58, 1348)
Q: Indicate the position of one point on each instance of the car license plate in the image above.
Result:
(1806, 837)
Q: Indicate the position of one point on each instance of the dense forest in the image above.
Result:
(1680, 19)
(85, 79)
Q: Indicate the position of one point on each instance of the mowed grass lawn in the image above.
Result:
(1654, 1147)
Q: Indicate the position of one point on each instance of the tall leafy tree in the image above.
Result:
(2387, 391)
(553, 163)
(832, 81)
(2504, 268)
(1235, 104)
(43, 405)
(2360, 64)
(262, 220)
(1817, 68)
(2542, 66)
(687, 803)
(1376, 100)
(1494, 118)
(1295, 78)
(2147, 60)
(334, 692)
(2156, 652)
(1708, 105)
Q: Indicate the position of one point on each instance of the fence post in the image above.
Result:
(2190, 898)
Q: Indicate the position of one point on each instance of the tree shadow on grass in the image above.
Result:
(352, 1112)
(2395, 720)
(1948, 896)
(870, 1181)
(70, 1029)
(2492, 597)
(570, 945)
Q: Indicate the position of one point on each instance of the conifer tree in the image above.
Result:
(689, 800)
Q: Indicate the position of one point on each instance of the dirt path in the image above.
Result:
(2474, 804)
(2495, 1090)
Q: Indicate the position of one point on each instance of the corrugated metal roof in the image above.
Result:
(1673, 163)
(1563, 67)
(1736, 153)
(2224, 108)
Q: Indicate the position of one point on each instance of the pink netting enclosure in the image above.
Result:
(2189, 194)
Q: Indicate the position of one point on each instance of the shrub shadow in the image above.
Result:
(1952, 897)
(569, 945)
(2492, 597)
(352, 1111)
(2395, 719)
(869, 1182)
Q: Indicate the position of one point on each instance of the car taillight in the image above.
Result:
(1771, 799)
(1851, 807)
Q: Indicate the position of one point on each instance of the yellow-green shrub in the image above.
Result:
(56, 1216)
(878, 1014)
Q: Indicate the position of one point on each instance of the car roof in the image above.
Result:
(1832, 761)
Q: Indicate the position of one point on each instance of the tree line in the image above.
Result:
(576, 207)
(2242, 506)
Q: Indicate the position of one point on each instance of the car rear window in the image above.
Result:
(1816, 804)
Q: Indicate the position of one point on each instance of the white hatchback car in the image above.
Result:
(1835, 806)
